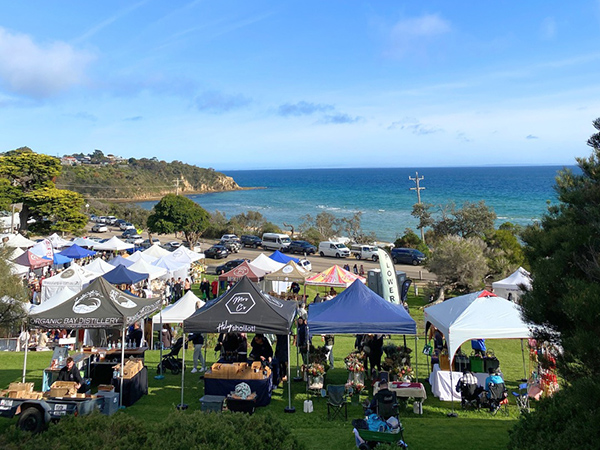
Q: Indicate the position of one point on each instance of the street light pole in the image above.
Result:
(418, 188)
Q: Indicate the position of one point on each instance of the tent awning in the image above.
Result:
(335, 276)
(122, 275)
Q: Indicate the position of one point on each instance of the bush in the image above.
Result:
(196, 430)
(569, 419)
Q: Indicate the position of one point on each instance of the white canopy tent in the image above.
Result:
(17, 240)
(513, 284)
(17, 269)
(266, 264)
(138, 255)
(175, 269)
(15, 253)
(153, 271)
(178, 311)
(75, 278)
(157, 251)
(59, 297)
(83, 242)
(479, 315)
(114, 244)
(58, 242)
(183, 254)
(99, 266)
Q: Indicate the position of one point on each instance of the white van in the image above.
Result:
(361, 251)
(276, 241)
(330, 248)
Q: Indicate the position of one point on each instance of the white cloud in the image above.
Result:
(39, 71)
(413, 33)
(548, 28)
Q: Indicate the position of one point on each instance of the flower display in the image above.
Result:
(315, 369)
(397, 362)
(355, 387)
(355, 362)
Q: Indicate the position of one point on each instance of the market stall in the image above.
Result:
(479, 315)
(77, 252)
(281, 279)
(75, 278)
(244, 270)
(514, 285)
(176, 312)
(334, 277)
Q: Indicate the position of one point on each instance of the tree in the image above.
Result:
(56, 210)
(472, 219)
(178, 213)
(411, 240)
(325, 224)
(352, 227)
(563, 251)
(11, 286)
(459, 263)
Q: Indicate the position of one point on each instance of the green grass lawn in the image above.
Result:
(432, 430)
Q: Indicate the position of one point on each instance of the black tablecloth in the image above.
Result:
(263, 388)
(133, 388)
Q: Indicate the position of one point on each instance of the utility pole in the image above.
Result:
(177, 185)
(418, 188)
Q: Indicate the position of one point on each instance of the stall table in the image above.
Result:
(81, 361)
(133, 388)
(443, 388)
(223, 387)
(405, 390)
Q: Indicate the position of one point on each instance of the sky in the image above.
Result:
(302, 84)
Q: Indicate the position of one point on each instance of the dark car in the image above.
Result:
(251, 241)
(228, 265)
(217, 252)
(407, 256)
(302, 247)
(128, 233)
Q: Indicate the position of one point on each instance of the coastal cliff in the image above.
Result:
(142, 179)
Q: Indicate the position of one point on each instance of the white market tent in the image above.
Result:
(513, 284)
(75, 278)
(99, 266)
(146, 268)
(18, 240)
(183, 254)
(479, 315)
(16, 252)
(138, 255)
(157, 251)
(83, 242)
(59, 297)
(114, 244)
(17, 269)
(266, 264)
(178, 311)
(175, 269)
(58, 242)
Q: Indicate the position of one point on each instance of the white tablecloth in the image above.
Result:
(441, 386)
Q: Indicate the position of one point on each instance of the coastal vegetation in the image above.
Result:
(178, 213)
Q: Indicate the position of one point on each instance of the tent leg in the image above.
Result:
(122, 367)
(416, 359)
(452, 414)
(525, 377)
(160, 375)
(290, 408)
(25, 358)
(182, 406)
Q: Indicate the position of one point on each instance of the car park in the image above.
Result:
(305, 264)
(217, 251)
(276, 241)
(228, 265)
(135, 239)
(302, 247)
(126, 226)
(331, 248)
(408, 256)
(99, 228)
(251, 241)
(128, 233)
(362, 251)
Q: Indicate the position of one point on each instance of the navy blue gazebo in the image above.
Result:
(122, 275)
(76, 252)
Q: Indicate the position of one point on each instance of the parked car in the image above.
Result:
(135, 239)
(228, 265)
(99, 228)
(128, 233)
(330, 248)
(111, 220)
(173, 245)
(147, 242)
(302, 247)
(305, 264)
(231, 245)
(229, 237)
(251, 241)
(217, 251)
(362, 251)
(276, 241)
(101, 219)
(127, 226)
(408, 256)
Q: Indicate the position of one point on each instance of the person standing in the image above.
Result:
(215, 288)
(166, 337)
(198, 341)
(302, 340)
(70, 373)
(329, 341)
(187, 285)
(205, 289)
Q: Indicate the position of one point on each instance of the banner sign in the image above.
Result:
(388, 277)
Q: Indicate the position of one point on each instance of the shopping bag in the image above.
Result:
(428, 349)
(308, 406)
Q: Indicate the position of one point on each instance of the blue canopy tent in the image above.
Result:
(61, 259)
(359, 310)
(122, 275)
(76, 252)
(120, 261)
(280, 257)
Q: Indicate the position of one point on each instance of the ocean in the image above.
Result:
(517, 194)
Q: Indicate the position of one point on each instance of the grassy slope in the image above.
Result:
(432, 430)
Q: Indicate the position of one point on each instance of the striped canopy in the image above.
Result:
(335, 276)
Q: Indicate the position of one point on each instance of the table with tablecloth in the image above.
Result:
(444, 388)
(405, 390)
(133, 388)
(220, 386)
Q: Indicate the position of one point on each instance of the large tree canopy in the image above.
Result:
(178, 213)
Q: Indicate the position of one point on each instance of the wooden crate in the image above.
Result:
(27, 387)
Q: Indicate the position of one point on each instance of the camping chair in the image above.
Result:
(336, 401)
(387, 407)
(522, 397)
(470, 395)
(498, 398)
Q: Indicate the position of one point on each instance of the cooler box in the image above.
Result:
(212, 403)
(490, 363)
(476, 364)
(111, 402)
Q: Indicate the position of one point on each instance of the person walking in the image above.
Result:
(198, 341)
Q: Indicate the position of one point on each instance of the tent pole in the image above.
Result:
(451, 414)
(416, 358)
(525, 377)
(122, 366)
(25, 358)
(182, 406)
(290, 408)
(160, 375)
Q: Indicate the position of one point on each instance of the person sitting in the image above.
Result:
(384, 403)
(469, 389)
(261, 349)
(70, 373)
(495, 389)
(135, 336)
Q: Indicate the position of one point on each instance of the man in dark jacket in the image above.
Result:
(70, 373)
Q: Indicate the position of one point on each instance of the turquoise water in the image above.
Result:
(517, 194)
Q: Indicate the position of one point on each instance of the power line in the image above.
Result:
(418, 188)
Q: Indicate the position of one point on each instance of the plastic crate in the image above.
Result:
(212, 403)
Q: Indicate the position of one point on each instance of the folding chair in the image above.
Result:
(387, 406)
(336, 401)
(522, 397)
(498, 397)
(469, 395)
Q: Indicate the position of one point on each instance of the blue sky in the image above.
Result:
(302, 84)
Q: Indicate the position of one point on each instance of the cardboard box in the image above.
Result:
(106, 388)
(59, 392)
(33, 395)
(444, 362)
(63, 389)
(27, 387)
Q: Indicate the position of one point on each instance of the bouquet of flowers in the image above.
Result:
(355, 362)
(355, 387)
(315, 369)
(396, 359)
(318, 355)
